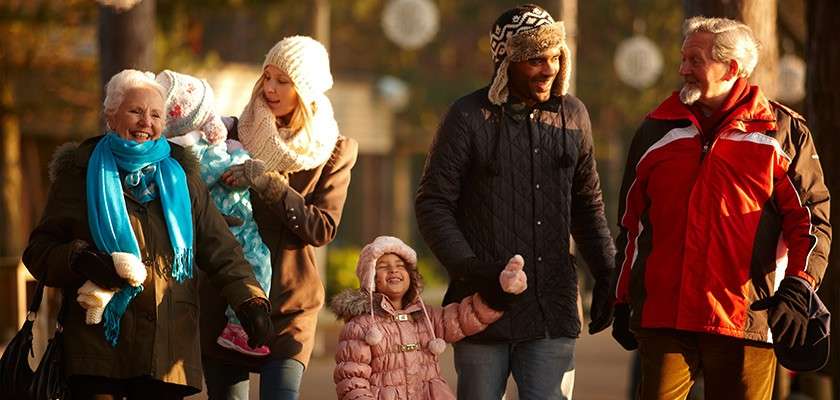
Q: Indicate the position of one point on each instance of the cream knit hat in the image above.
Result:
(306, 62)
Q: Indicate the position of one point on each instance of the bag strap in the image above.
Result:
(36, 299)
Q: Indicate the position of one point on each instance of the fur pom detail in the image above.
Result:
(374, 336)
(437, 346)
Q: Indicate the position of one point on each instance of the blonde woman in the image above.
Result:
(298, 176)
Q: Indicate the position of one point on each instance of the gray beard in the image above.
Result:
(689, 94)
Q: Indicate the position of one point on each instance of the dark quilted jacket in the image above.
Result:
(499, 182)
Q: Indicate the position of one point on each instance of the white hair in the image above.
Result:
(733, 41)
(124, 81)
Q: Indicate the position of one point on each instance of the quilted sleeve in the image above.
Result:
(439, 190)
(456, 321)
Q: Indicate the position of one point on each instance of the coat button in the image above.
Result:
(539, 258)
(150, 316)
(539, 222)
(537, 186)
(297, 226)
(537, 150)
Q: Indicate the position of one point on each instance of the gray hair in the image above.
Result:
(124, 81)
(733, 41)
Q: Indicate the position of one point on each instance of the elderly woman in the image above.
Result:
(298, 175)
(129, 200)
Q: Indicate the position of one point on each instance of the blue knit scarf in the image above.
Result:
(108, 218)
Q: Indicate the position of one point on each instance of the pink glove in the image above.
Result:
(513, 278)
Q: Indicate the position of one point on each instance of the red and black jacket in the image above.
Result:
(710, 223)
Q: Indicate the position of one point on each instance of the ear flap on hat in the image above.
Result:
(498, 93)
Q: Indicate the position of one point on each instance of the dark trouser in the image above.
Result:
(279, 380)
(732, 368)
(85, 387)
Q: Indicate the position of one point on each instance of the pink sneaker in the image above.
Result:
(234, 337)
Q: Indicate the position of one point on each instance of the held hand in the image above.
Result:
(129, 267)
(601, 309)
(97, 267)
(256, 321)
(513, 278)
(621, 328)
(251, 173)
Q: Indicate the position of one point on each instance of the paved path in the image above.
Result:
(602, 371)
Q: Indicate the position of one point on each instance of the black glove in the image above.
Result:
(601, 309)
(787, 312)
(232, 221)
(97, 267)
(256, 321)
(484, 277)
(621, 328)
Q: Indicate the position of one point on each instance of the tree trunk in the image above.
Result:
(822, 104)
(760, 15)
(126, 39)
(569, 15)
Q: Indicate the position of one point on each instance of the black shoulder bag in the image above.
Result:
(47, 382)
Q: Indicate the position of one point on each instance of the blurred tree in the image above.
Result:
(823, 112)
(126, 39)
(760, 15)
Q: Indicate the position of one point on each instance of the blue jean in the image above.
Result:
(542, 369)
(279, 380)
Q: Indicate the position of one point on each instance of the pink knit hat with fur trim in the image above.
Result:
(366, 267)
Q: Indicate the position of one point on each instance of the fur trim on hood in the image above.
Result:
(350, 303)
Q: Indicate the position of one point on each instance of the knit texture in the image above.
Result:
(190, 106)
(366, 267)
(306, 62)
(281, 149)
(522, 33)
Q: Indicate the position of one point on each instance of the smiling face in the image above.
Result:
(706, 80)
(392, 278)
(140, 116)
(531, 80)
(278, 91)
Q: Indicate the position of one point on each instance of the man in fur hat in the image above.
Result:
(512, 171)
(725, 230)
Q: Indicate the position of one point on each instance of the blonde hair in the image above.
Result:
(302, 115)
(124, 81)
(733, 41)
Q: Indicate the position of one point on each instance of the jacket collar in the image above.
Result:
(754, 115)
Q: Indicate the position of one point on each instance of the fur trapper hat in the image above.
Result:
(190, 106)
(522, 33)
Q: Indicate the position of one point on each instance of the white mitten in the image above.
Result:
(93, 299)
(129, 267)
(513, 278)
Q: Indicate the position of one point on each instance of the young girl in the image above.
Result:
(390, 344)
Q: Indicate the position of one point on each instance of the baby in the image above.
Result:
(192, 122)
(390, 334)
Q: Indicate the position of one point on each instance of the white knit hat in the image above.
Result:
(306, 62)
(190, 107)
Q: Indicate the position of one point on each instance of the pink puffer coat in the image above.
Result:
(401, 365)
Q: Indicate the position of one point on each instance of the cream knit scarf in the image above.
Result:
(281, 149)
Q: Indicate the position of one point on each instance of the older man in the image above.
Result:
(511, 171)
(723, 204)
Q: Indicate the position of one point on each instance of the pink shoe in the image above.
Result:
(234, 337)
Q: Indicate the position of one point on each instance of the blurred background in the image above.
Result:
(398, 64)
